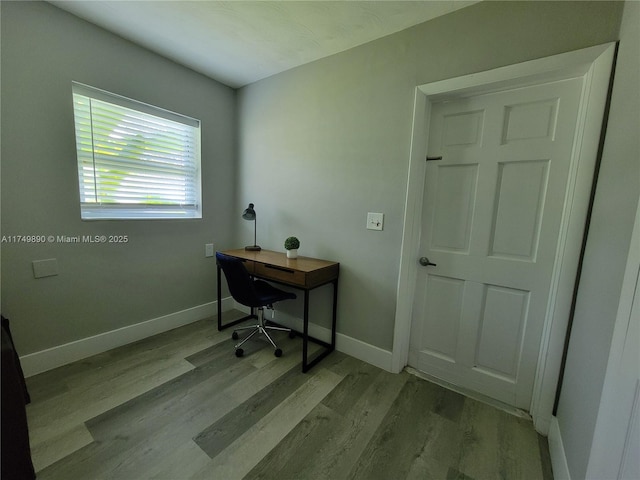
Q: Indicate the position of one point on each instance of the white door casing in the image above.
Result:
(594, 66)
(491, 219)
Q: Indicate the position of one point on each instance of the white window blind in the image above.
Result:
(135, 160)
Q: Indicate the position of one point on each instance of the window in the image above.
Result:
(135, 160)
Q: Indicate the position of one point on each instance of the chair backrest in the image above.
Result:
(240, 283)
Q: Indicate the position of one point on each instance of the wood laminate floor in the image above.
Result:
(180, 405)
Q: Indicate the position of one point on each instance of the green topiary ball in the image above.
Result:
(291, 243)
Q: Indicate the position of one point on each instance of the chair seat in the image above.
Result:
(268, 294)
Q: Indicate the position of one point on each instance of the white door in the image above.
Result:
(492, 212)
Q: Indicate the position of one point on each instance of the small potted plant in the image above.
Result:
(292, 244)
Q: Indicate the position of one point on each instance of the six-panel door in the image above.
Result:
(491, 222)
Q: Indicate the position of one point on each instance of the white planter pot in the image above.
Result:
(293, 253)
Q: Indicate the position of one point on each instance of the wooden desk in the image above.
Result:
(303, 273)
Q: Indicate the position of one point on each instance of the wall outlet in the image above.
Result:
(208, 250)
(375, 221)
(45, 268)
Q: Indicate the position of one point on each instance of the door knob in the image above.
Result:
(424, 261)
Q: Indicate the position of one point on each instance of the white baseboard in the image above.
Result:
(541, 423)
(376, 356)
(54, 357)
(366, 352)
(556, 450)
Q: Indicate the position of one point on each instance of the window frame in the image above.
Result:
(128, 210)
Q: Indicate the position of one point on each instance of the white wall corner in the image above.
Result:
(556, 450)
(60, 355)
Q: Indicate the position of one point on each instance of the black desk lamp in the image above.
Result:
(250, 214)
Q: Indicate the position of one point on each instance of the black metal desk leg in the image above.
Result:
(305, 333)
(219, 299)
(335, 312)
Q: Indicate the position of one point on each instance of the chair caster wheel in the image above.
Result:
(278, 352)
(239, 352)
(292, 334)
(234, 335)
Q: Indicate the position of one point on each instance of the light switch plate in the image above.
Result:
(375, 221)
(208, 250)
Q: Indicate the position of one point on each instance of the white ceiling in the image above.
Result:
(239, 42)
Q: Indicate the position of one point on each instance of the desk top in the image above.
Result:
(302, 271)
(302, 264)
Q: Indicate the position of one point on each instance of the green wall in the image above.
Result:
(325, 143)
(100, 287)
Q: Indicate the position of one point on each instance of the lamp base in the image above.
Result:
(252, 248)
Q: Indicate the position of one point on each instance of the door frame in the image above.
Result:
(594, 64)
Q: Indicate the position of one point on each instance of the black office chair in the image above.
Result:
(254, 294)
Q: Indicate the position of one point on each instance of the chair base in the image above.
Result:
(261, 328)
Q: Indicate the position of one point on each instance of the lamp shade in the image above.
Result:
(249, 213)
